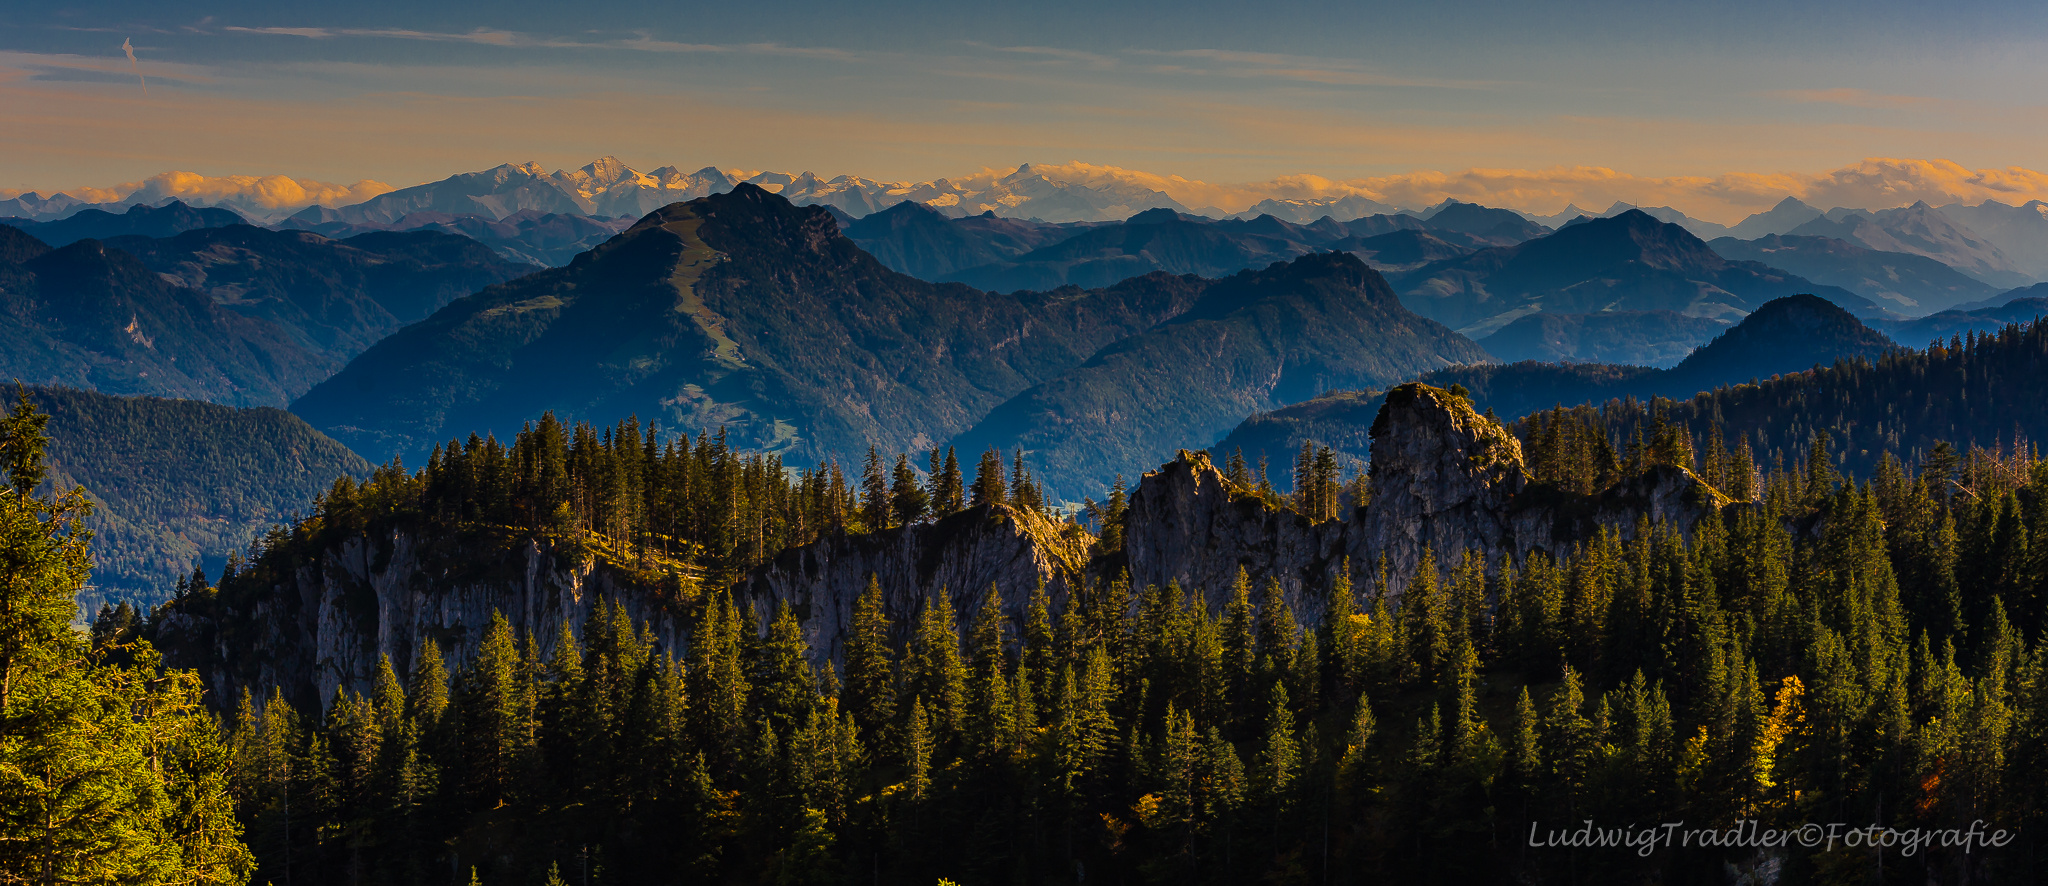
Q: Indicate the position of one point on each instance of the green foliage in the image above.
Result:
(110, 769)
(180, 483)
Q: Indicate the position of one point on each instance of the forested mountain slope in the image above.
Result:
(1980, 391)
(336, 297)
(177, 483)
(1265, 698)
(91, 316)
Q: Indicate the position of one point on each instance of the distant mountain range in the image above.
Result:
(138, 221)
(1252, 341)
(1908, 283)
(1785, 335)
(738, 310)
(2020, 232)
(1629, 262)
(1700, 228)
(1007, 255)
(1920, 229)
(530, 214)
(1788, 214)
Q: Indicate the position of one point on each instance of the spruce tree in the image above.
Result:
(933, 669)
(948, 493)
(875, 509)
(1240, 644)
(907, 500)
(1040, 652)
(870, 676)
(988, 481)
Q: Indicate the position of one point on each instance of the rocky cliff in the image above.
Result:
(331, 613)
(1444, 479)
(961, 555)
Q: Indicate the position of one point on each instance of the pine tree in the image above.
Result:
(1237, 472)
(1240, 644)
(1354, 764)
(1279, 756)
(948, 493)
(933, 669)
(918, 749)
(875, 509)
(1024, 492)
(1040, 644)
(988, 481)
(785, 687)
(990, 697)
(1278, 633)
(870, 676)
(907, 500)
(1524, 751)
(493, 726)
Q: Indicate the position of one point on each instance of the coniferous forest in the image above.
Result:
(1829, 648)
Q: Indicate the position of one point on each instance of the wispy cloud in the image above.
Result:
(639, 42)
(309, 33)
(1307, 69)
(1052, 54)
(1855, 98)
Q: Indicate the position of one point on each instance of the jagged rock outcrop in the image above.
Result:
(329, 620)
(335, 613)
(1189, 524)
(1445, 479)
(962, 555)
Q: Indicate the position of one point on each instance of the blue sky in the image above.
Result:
(1224, 92)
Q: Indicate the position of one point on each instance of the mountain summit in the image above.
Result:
(736, 310)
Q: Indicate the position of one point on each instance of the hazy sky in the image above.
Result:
(403, 92)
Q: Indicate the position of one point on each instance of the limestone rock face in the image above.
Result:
(327, 624)
(961, 555)
(1443, 479)
(1189, 524)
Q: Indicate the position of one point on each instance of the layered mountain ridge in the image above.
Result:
(1784, 336)
(740, 311)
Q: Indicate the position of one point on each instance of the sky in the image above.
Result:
(1723, 106)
